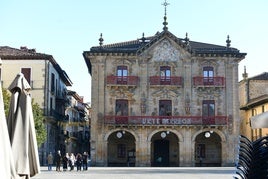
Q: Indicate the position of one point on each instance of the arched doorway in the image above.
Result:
(208, 149)
(121, 149)
(164, 149)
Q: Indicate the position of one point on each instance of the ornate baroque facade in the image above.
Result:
(164, 101)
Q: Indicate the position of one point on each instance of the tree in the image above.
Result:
(40, 129)
(6, 99)
(37, 114)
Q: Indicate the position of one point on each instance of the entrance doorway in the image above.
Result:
(121, 149)
(208, 149)
(161, 153)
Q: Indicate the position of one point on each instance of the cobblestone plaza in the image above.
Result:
(141, 173)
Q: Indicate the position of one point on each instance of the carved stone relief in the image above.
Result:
(166, 52)
(165, 94)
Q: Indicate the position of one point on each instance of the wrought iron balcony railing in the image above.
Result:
(122, 80)
(166, 80)
(166, 120)
(209, 81)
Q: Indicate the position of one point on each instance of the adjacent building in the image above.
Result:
(164, 101)
(49, 84)
(253, 95)
(76, 128)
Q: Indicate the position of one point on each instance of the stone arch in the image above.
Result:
(106, 136)
(120, 142)
(178, 134)
(208, 150)
(220, 133)
(165, 146)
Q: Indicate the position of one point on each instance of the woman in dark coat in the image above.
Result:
(58, 161)
(79, 161)
(65, 162)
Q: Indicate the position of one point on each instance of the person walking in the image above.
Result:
(65, 160)
(85, 160)
(50, 161)
(79, 161)
(58, 161)
(71, 161)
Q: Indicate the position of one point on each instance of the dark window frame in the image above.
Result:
(208, 75)
(208, 108)
(165, 75)
(165, 107)
(27, 72)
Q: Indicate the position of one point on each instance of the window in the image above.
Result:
(122, 74)
(253, 112)
(165, 74)
(121, 150)
(121, 107)
(51, 106)
(27, 74)
(208, 74)
(208, 108)
(52, 87)
(165, 108)
(200, 151)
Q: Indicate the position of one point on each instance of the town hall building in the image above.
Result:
(164, 101)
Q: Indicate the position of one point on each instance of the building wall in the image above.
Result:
(41, 73)
(183, 98)
(10, 69)
(253, 101)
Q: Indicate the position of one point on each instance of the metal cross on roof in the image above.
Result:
(165, 17)
(165, 4)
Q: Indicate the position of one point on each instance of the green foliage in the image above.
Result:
(39, 124)
(37, 114)
(6, 99)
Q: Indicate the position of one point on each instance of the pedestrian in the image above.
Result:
(85, 160)
(50, 161)
(65, 160)
(58, 161)
(79, 161)
(71, 161)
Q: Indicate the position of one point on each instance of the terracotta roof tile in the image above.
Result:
(25, 53)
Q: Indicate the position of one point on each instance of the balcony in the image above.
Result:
(167, 80)
(122, 80)
(209, 81)
(55, 115)
(166, 120)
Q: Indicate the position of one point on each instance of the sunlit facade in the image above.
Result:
(164, 101)
(253, 95)
(48, 88)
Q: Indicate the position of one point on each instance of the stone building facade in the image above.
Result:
(164, 101)
(253, 95)
(48, 83)
(67, 117)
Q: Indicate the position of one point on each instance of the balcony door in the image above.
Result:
(122, 73)
(121, 111)
(208, 74)
(165, 77)
(165, 108)
(208, 111)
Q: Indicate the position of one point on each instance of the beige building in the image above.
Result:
(164, 101)
(49, 88)
(253, 95)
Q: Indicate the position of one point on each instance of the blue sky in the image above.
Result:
(66, 28)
